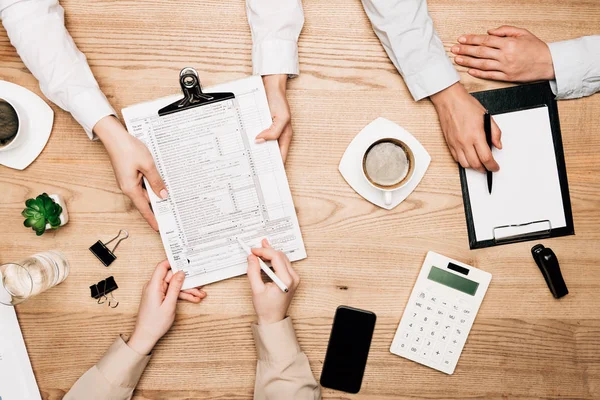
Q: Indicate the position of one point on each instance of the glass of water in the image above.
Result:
(29, 277)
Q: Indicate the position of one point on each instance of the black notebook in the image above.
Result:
(530, 194)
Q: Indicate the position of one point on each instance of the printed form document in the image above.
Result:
(222, 185)
(17, 381)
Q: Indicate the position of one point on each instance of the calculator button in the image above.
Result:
(428, 343)
(426, 319)
(422, 295)
(463, 321)
(455, 308)
(467, 312)
(420, 329)
(447, 328)
(436, 323)
(455, 342)
(417, 340)
(413, 349)
(440, 313)
(419, 305)
(406, 335)
(429, 309)
(433, 333)
(413, 314)
(401, 347)
(444, 337)
(438, 353)
(452, 317)
(444, 304)
(425, 353)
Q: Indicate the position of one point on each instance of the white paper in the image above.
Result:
(527, 187)
(17, 381)
(222, 185)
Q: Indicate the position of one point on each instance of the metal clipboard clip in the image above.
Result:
(193, 95)
(522, 232)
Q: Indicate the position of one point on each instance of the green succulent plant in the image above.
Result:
(39, 211)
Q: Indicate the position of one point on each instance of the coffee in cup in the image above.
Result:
(9, 123)
(388, 164)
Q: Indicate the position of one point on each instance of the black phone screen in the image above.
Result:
(348, 349)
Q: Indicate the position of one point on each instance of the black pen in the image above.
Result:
(487, 127)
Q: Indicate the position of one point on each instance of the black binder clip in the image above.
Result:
(193, 96)
(105, 255)
(101, 289)
(548, 263)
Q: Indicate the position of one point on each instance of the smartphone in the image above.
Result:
(348, 349)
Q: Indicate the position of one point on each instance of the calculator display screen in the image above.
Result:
(452, 280)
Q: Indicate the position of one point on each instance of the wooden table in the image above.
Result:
(524, 344)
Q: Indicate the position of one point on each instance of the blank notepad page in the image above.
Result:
(527, 187)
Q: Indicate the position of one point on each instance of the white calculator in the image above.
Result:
(440, 312)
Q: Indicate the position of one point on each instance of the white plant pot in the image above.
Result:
(64, 216)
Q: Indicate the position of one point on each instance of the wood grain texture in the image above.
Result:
(524, 344)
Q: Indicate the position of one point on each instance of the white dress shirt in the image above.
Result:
(37, 30)
(576, 67)
(406, 32)
(275, 26)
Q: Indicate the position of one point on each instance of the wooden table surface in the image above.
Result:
(524, 344)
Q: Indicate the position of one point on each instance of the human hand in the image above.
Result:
(270, 302)
(281, 128)
(131, 161)
(156, 313)
(505, 54)
(461, 118)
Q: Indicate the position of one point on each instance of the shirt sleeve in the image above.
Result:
(283, 370)
(114, 377)
(36, 28)
(406, 32)
(576, 67)
(275, 27)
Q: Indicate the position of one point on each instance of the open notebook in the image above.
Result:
(529, 198)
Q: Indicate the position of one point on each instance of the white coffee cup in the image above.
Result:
(16, 139)
(394, 161)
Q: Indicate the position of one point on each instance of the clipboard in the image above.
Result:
(510, 100)
(193, 95)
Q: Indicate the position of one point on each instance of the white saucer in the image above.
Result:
(35, 120)
(351, 164)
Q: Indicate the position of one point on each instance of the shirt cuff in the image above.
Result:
(89, 107)
(275, 342)
(272, 57)
(121, 365)
(432, 80)
(568, 73)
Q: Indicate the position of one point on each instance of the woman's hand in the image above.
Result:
(131, 161)
(156, 313)
(270, 302)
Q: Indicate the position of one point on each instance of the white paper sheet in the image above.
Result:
(17, 381)
(221, 183)
(527, 187)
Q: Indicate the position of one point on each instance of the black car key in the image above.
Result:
(548, 263)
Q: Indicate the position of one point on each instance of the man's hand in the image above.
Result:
(156, 313)
(461, 118)
(281, 128)
(505, 54)
(270, 302)
(131, 161)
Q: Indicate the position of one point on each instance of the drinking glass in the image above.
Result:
(29, 277)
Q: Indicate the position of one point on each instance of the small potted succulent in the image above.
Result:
(45, 212)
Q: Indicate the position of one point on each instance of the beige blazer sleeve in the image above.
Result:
(282, 371)
(114, 377)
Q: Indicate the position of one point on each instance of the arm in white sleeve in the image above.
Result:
(576, 67)
(406, 32)
(275, 26)
(37, 30)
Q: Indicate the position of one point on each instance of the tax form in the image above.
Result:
(17, 381)
(222, 185)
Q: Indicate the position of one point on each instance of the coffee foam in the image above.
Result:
(386, 164)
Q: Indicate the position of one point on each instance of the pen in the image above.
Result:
(265, 267)
(487, 127)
